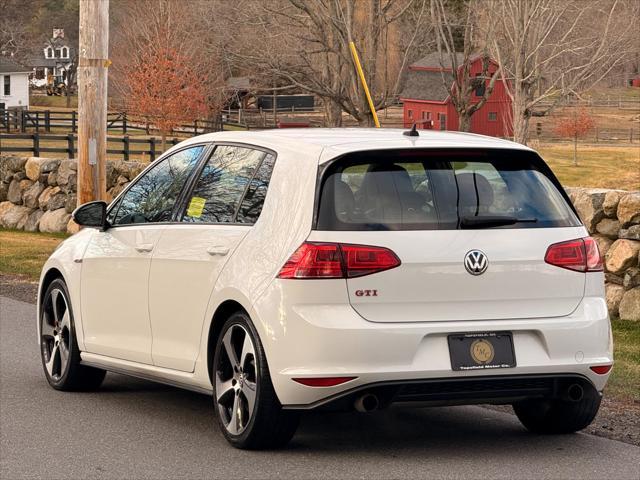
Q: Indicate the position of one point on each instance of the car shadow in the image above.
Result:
(460, 431)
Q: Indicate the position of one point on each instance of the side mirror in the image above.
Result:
(92, 214)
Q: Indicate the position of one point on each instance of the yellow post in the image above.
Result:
(356, 60)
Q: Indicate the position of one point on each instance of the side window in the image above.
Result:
(253, 200)
(225, 178)
(152, 198)
(480, 85)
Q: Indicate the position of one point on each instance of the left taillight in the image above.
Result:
(337, 260)
(580, 255)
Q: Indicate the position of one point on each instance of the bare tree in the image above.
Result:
(305, 45)
(452, 19)
(15, 40)
(549, 49)
(147, 29)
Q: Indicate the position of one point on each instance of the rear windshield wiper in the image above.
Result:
(488, 221)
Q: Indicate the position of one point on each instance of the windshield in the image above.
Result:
(441, 190)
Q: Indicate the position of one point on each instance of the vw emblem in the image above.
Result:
(476, 262)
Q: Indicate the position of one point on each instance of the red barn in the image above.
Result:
(427, 102)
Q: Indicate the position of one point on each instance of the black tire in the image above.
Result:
(559, 416)
(70, 375)
(269, 425)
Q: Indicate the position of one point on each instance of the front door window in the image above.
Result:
(153, 197)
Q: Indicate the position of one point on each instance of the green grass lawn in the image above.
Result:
(625, 378)
(55, 102)
(599, 166)
(23, 253)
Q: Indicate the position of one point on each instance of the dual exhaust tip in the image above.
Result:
(366, 403)
(574, 392)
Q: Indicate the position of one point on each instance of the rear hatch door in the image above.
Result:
(434, 210)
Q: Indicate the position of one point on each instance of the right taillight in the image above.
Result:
(580, 255)
(336, 260)
(594, 260)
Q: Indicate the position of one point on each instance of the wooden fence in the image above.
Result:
(617, 103)
(67, 144)
(47, 120)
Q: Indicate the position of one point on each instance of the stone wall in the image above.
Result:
(39, 194)
(613, 219)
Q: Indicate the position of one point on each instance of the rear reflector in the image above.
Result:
(601, 369)
(336, 260)
(323, 381)
(580, 255)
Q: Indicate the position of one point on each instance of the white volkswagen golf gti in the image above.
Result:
(283, 271)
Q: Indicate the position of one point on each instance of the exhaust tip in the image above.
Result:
(575, 392)
(366, 403)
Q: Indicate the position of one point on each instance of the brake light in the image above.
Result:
(314, 260)
(580, 255)
(335, 260)
(363, 260)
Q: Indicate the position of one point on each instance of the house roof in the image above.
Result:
(425, 85)
(433, 60)
(8, 65)
(38, 61)
(56, 42)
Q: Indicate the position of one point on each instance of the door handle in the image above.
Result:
(217, 250)
(144, 247)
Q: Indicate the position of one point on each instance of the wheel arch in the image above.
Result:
(224, 310)
(51, 274)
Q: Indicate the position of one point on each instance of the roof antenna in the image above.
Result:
(413, 132)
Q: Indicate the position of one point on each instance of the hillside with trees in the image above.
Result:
(547, 51)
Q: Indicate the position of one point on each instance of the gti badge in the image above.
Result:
(476, 262)
(366, 293)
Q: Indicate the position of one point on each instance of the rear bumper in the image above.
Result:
(328, 339)
(498, 389)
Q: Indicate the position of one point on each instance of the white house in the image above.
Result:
(14, 85)
(54, 63)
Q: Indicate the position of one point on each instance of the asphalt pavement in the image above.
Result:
(137, 429)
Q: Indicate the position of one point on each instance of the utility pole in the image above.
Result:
(92, 100)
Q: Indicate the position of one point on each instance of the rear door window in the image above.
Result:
(251, 204)
(444, 189)
(231, 187)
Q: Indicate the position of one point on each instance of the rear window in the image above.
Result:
(441, 190)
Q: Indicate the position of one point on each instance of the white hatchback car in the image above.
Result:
(290, 270)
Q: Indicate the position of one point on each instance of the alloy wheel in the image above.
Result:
(236, 379)
(55, 333)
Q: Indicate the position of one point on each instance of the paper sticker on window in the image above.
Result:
(196, 207)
